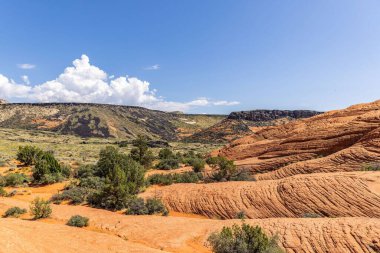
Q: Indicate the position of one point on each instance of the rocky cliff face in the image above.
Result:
(268, 115)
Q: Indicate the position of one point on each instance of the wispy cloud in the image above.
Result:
(84, 82)
(153, 67)
(26, 66)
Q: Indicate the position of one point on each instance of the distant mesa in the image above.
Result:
(267, 115)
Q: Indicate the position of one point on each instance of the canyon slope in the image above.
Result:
(102, 120)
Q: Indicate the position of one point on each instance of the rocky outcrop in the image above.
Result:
(244, 123)
(324, 195)
(2, 101)
(268, 115)
(176, 234)
(343, 140)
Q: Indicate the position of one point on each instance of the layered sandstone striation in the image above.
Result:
(342, 140)
(324, 195)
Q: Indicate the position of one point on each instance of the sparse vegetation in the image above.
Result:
(311, 215)
(225, 170)
(14, 212)
(15, 179)
(40, 208)
(78, 221)
(168, 164)
(241, 215)
(243, 239)
(174, 178)
(372, 167)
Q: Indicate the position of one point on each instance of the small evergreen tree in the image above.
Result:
(141, 152)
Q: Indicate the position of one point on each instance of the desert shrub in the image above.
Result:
(154, 206)
(241, 215)
(198, 164)
(2, 181)
(51, 178)
(123, 178)
(92, 182)
(151, 206)
(66, 171)
(14, 212)
(85, 171)
(75, 195)
(167, 179)
(372, 167)
(141, 152)
(137, 206)
(40, 208)
(3, 193)
(47, 169)
(15, 179)
(225, 170)
(78, 221)
(168, 164)
(28, 154)
(244, 238)
(311, 215)
(165, 153)
(122, 144)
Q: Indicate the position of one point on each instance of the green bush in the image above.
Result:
(15, 179)
(28, 154)
(40, 208)
(3, 193)
(123, 176)
(3, 182)
(154, 206)
(168, 164)
(75, 195)
(167, 179)
(85, 171)
(51, 178)
(225, 170)
(137, 207)
(165, 153)
(14, 212)
(78, 221)
(244, 238)
(47, 169)
(198, 164)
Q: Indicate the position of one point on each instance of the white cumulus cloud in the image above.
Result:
(86, 83)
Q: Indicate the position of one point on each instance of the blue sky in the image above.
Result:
(199, 56)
